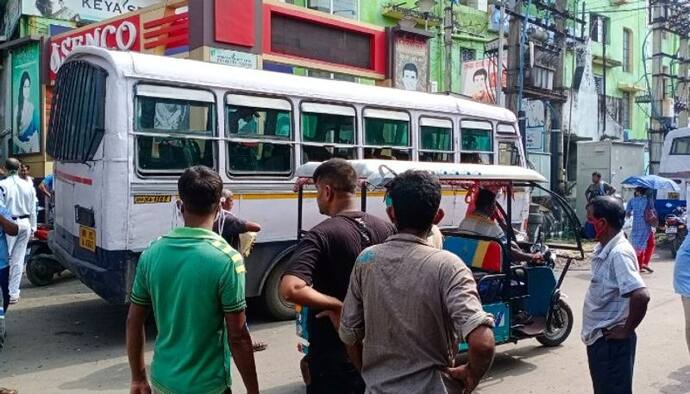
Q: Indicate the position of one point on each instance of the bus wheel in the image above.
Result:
(277, 306)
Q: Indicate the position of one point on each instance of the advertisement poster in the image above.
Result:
(26, 100)
(479, 80)
(411, 65)
(83, 10)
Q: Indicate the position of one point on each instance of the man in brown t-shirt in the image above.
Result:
(319, 273)
(408, 301)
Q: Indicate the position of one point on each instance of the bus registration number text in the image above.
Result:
(87, 238)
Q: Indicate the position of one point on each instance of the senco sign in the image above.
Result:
(121, 34)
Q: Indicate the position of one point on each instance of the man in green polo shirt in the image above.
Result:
(194, 283)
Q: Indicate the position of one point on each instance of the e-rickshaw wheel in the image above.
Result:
(559, 325)
(40, 270)
(274, 303)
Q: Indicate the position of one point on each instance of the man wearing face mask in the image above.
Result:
(616, 301)
(319, 274)
(193, 281)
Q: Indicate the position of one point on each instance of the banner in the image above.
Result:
(479, 79)
(26, 100)
(83, 10)
(411, 64)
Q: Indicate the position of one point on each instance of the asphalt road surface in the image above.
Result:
(62, 338)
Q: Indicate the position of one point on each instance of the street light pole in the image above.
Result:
(499, 63)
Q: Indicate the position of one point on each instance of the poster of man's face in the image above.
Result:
(479, 80)
(411, 64)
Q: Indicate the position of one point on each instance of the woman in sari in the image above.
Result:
(642, 233)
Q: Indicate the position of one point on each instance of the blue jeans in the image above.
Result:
(611, 363)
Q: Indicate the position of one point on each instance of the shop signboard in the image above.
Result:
(411, 63)
(479, 80)
(122, 34)
(233, 58)
(83, 10)
(26, 99)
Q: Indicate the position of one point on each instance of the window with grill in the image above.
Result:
(259, 133)
(476, 144)
(468, 54)
(174, 128)
(436, 140)
(599, 28)
(328, 131)
(77, 121)
(627, 50)
(386, 134)
(626, 110)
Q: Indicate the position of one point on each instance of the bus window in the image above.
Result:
(508, 153)
(436, 140)
(77, 121)
(259, 132)
(476, 143)
(174, 127)
(680, 146)
(327, 131)
(386, 134)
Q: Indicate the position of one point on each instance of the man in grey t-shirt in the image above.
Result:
(616, 301)
(409, 303)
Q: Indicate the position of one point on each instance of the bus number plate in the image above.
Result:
(87, 238)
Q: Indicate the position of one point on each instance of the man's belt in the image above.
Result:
(21, 217)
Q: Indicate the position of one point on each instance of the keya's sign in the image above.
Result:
(121, 34)
(83, 10)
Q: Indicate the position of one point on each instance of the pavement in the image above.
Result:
(62, 338)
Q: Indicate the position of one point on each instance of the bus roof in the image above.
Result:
(445, 171)
(674, 166)
(185, 71)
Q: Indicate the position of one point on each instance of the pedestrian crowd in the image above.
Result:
(386, 306)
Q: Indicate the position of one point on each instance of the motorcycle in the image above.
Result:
(676, 228)
(41, 265)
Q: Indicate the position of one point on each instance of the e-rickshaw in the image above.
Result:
(525, 299)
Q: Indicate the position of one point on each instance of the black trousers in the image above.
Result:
(330, 376)
(611, 363)
(5, 287)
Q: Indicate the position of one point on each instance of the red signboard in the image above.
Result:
(235, 22)
(123, 34)
(310, 37)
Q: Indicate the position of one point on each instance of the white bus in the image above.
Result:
(675, 164)
(123, 127)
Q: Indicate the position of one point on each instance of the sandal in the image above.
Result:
(256, 346)
(4, 390)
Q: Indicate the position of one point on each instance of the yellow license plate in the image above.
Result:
(87, 238)
(673, 195)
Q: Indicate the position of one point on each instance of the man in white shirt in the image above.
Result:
(19, 197)
(616, 301)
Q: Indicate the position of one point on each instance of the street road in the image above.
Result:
(62, 338)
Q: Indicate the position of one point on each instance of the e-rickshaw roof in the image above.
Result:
(447, 172)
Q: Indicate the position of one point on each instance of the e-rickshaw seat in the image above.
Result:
(484, 256)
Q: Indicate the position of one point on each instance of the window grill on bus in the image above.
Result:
(77, 121)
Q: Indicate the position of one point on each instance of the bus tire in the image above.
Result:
(274, 303)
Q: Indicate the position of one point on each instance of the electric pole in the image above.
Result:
(656, 132)
(683, 82)
(448, 45)
(499, 63)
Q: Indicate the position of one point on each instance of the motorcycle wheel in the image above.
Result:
(39, 270)
(560, 326)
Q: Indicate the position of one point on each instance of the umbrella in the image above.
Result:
(652, 182)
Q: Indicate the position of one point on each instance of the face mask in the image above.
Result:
(599, 227)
